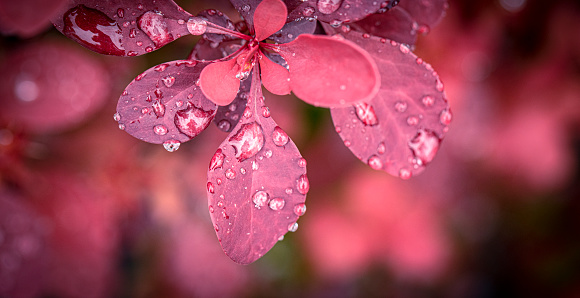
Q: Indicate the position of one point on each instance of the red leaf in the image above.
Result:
(123, 28)
(257, 184)
(329, 72)
(400, 129)
(269, 17)
(337, 11)
(404, 22)
(227, 117)
(163, 105)
(274, 77)
(219, 83)
(49, 87)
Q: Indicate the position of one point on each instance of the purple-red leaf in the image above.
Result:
(216, 17)
(269, 17)
(256, 185)
(227, 117)
(330, 71)
(48, 87)
(337, 11)
(400, 129)
(246, 8)
(219, 83)
(123, 28)
(404, 22)
(293, 29)
(164, 106)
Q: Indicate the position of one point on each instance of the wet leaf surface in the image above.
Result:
(164, 106)
(400, 129)
(256, 185)
(123, 28)
(336, 12)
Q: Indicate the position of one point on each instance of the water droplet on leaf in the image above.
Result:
(260, 199)
(154, 25)
(302, 184)
(217, 160)
(424, 146)
(230, 174)
(366, 114)
(279, 136)
(247, 141)
(192, 120)
(171, 145)
(277, 204)
(160, 129)
(375, 162)
(300, 209)
(328, 6)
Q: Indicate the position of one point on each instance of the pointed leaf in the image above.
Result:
(337, 11)
(227, 117)
(164, 106)
(246, 8)
(269, 17)
(329, 71)
(400, 129)
(257, 184)
(219, 83)
(123, 28)
(274, 77)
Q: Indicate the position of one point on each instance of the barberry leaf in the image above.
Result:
(330, 71)
(257, 183)
(337, 11)
(293, 29)
(400, 129)
(274, 77)
(164, 106)
(219, 83)
(404, 22)
(227, 117)
(48, 87)
(269, 17)
(124, 27)
(216, 17)
(246, 8)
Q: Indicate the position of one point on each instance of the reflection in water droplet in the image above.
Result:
(217, 160)
(400, 106)
(439, 85)
(260, 199)
(412, 120)
(308, 11)
(161, 67)
(224, 125)
(168, 81)
(279, 136)
(302, 162)
(265, 112)
(192, 120)
(210, 209)
(366, 114)
(160, 129)
(293, 227)
(171, 145)
(328, 6)
(122, 126)
(247, 112)
(159, 109)
(196, 26)
(445, 117)
(254, 165)
(154, 25)
(210, 188)
(404, 174)
(277, 204)
(230, 174)
(247, 141)
(375, 162)
(94, 30)
(300, 209)
(302, 184)
(404, 49)
(424, 146)
(117, 117)
(381, 148)
(428, 100)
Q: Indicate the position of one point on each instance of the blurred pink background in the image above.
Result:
(86, 210)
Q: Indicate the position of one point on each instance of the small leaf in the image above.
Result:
(329, 72)
(219, 83)
(269, 17)
(274, 77)
(400, 129)
(257, 184)
(246, 8)
(293, 29)
(122, 28)
(336, 12)
(227, 117)
(216, 17)
(163, 105)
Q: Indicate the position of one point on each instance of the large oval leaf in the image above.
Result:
(164, 106)
(257, 183)
(123, 27)
(400, 129)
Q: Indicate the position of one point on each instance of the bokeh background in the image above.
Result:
(88, 211)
